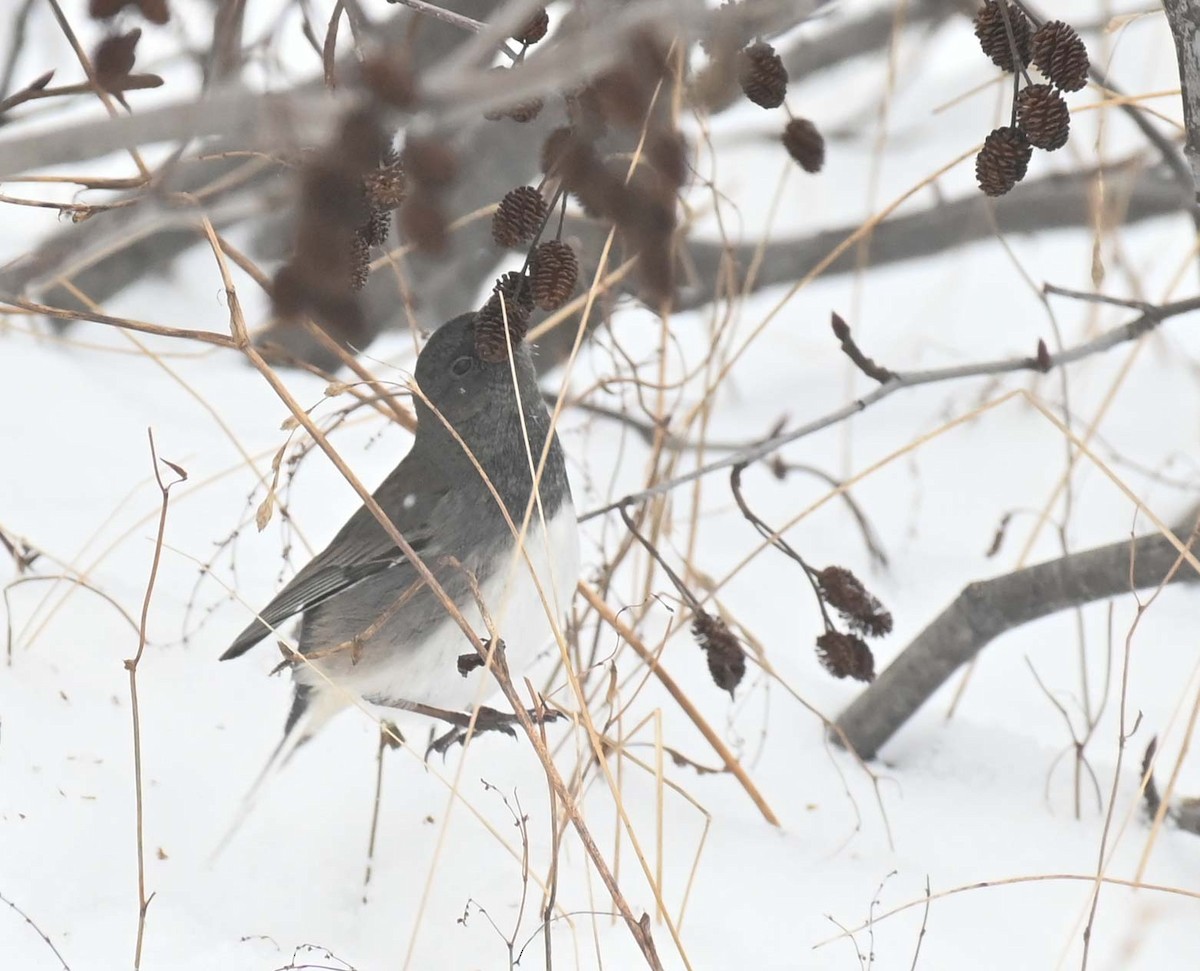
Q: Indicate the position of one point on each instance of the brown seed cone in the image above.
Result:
(555, 149)
(805, 144)
(375, 230)
(526, 111)
(422, 221)
(515, 288)
(1043, 117)
(103, 9)
(155, 11)
(535, 28)
(845, 656)
(668, 153)
(490, 343)
(519, 216)
(386, 187)
(726, 659)
(1002, 161)
(762, 75)
(115, 57)
(1060, 55)
(389, 77)
(553, 274)
(993, 37)
(429, 162)
(845, 593)
(360, 261)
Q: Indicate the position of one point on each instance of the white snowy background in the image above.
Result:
(984, 796)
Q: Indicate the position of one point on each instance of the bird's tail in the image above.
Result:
(312, 707)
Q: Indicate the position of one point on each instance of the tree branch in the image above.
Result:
(1053, 202)
(985, 610)
(1040, 362)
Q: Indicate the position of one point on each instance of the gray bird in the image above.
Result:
(367, 621)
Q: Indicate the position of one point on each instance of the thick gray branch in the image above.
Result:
(1183, 16)
(1053, 202)
(989, 608)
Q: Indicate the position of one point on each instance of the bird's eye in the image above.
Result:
(462, 365)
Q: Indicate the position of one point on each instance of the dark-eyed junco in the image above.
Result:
(368, 621)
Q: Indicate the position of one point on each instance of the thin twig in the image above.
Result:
(913, 379)
(131, 665)
(37, 930)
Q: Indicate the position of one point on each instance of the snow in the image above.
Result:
(984, 796)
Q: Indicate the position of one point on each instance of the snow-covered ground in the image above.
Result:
(985, 796)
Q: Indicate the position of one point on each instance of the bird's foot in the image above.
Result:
(486, 720)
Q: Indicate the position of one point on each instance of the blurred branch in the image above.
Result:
(985, 610)
(1053, 202)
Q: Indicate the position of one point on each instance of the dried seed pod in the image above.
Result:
(585, 111)
(555, 149)
(535, 28)
(1043, 117)
(362, 142)
(422, 221)
(430, 162)
(114, 58)
(519, 216)
(726, 659)
(515, 289)
(386, 187)
(845, 593)
(668, 153)
(805, 144)
(490, 342)
(155, 11)
(622, 96)
(103, 9)
(553, 274)
(1059, 54)
(1002, 161)
(762, 75)
(845, 656)
(375, 230)
(993, 35)
(525, 111)
(332, 194)
(389, 77)
(360, 261)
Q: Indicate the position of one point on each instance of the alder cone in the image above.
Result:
(1002, 161)
(554, 273)
(993, 36)
(805, 144)
(1043, 116)
(762, 75)
(1060, 55)
(519, 216)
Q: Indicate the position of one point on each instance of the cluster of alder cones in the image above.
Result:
(763, 78)
(1040, 118)
(631, 99)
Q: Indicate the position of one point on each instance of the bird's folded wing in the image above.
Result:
(361, 549)
(308, 590)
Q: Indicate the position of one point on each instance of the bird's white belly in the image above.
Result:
(428, 673)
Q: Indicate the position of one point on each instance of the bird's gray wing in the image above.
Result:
(410, 496)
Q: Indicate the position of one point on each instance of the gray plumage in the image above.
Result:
(361, 586)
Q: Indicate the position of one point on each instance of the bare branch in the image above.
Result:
(985, 610)
(900, 380)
